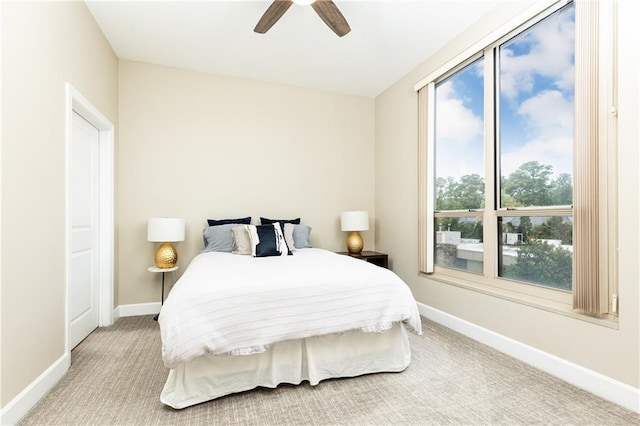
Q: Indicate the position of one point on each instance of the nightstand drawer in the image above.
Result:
(377, 258)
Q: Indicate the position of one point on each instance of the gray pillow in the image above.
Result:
(301, 236)
(218, 238)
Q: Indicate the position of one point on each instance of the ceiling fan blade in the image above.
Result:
(271, 16)
(330, 14)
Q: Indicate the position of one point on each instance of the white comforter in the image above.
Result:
(237, 304)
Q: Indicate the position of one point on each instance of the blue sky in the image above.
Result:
(536, 104)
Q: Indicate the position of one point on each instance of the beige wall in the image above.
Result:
(200, 146)
(44, 45)
(614, 353)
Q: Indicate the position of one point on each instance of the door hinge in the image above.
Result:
(614, 303)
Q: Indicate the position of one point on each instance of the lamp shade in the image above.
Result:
(354, 221)
(165, 229)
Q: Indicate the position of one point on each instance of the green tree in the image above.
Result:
(507, 227)
(529, 185)
(447, 224)
(445, 189)
(542, 263)
(555, 228)
(562, 190)
(507, 200)
(446, 256)
(465, 194)
(525, 228)
(470, 192)
(470, 229)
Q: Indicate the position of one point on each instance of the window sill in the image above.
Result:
(549, 305)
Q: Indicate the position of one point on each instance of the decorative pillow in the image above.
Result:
(266, 221)
(241, 240)
(267, 240)
(288, 235)
(218, 238)
(240, 221)
(301, 236)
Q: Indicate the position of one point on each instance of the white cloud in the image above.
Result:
(548, 114)
(547, 111)
(548, 134)
(538, 65)
(459, 135)
(556, 152)
(550, 54)
(455, 123)
(458, 163)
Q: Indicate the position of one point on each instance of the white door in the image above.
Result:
(83, 258)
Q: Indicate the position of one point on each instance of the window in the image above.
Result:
(503, 206)
(459, 168)
(534, 141)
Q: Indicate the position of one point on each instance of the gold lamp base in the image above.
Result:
(354, 243)
(166, 256)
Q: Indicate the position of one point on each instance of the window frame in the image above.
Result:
(489, 282)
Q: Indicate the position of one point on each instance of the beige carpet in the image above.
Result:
(117, 373)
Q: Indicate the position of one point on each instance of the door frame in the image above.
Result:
(75, 102)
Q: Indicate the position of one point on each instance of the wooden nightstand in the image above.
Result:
(377, 258)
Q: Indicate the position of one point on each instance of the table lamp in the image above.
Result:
(166, 230)
(354, 222)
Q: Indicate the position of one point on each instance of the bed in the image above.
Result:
(233, 323)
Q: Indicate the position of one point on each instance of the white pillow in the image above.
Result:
(288, 235)
(241, 240)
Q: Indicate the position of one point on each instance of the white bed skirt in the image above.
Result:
(313, 359)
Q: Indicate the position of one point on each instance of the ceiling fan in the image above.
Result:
(326, 10)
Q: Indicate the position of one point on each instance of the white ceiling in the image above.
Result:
(387, 39)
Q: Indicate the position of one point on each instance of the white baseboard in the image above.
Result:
(29, 397)
(136, 309)
(116, 314)
(19, 406)
(589, 380)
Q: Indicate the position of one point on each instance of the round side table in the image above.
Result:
(163, 271)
